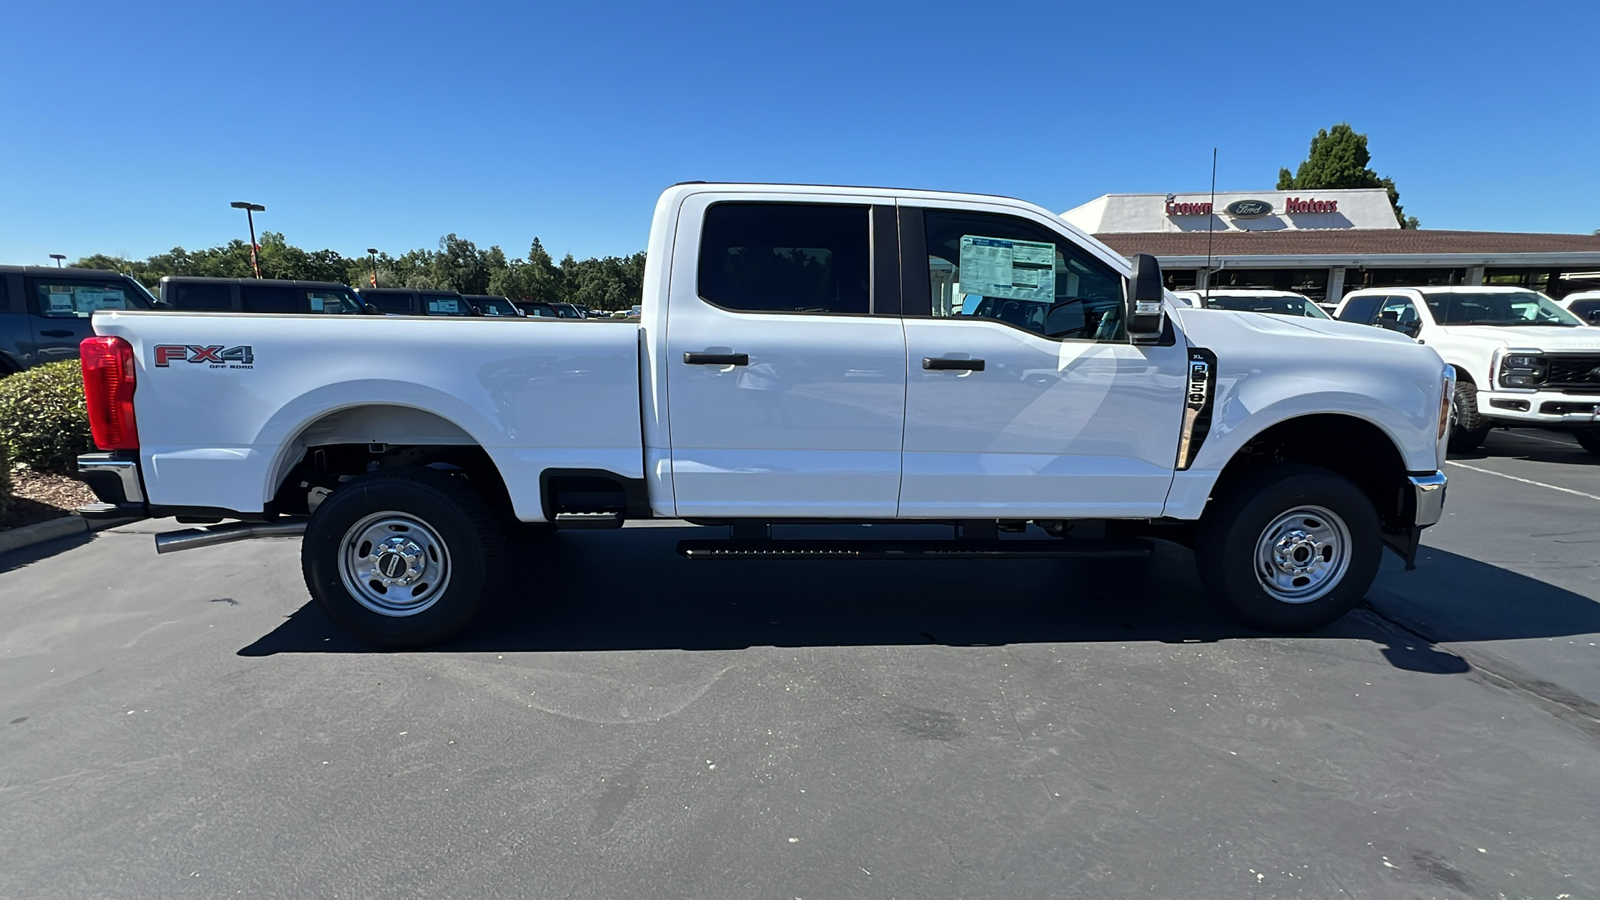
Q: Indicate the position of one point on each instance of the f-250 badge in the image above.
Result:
(214, 356)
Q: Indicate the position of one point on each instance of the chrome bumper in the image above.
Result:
(113, 479)
(1429, 493)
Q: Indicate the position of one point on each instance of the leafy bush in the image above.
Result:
(5, 483)
(43, 420)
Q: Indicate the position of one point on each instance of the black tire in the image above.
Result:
(1234, 528)
(1590, 439)
(433, 510)
(1469, 427)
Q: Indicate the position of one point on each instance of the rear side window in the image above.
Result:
(79, 299)
(392, 304)
(201, 296)
(1361, 310)
(787, 257)
(272, 300)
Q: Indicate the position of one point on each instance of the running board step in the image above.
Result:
(589, 519)
(1103, 548)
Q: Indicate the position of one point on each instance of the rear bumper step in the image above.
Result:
(1101, 548)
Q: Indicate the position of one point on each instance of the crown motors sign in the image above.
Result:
(1248, 209)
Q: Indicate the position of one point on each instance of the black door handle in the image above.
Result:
(939, 362)
(716, 359)
(55, 332)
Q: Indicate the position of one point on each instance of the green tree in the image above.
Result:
(1338, 159)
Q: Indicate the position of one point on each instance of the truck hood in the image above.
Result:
(1274, 327)
(1534, 338)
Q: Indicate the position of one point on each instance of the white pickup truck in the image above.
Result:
(800, 359)
(1520, 359)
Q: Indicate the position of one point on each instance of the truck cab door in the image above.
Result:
(1025, 397)
(785, 357)
(60, 309)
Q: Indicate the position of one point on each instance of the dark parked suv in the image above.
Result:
(257, 295)
(409, 302)
(44, 311)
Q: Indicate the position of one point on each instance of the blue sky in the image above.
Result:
(390, 124)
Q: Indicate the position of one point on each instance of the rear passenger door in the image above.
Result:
(785, 362)
(60, 309)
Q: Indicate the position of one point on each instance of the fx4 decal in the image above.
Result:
(241, 357)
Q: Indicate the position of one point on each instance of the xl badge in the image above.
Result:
(215, 356)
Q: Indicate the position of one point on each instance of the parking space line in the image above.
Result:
(1533, 437)
(1523, 480)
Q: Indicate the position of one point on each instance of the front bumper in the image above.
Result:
(1539, 408)
(1428, 494)
(1426, 507)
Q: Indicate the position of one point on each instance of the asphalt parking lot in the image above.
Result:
(632, 724)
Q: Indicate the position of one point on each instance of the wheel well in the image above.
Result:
(1344, 445)
(324, 467)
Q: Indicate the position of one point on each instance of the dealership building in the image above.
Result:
(1326, 243)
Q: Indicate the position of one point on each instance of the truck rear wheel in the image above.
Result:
(1289, 548)
(402, 559)
(1468, 428)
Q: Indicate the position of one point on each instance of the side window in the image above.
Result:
(1587, 310)
(786, 257)
(332, 302)
(445, 306)
(202, 296)
(1009, 269)
(390, 304)
(1405, 312)
(79, 299)
(1362, 310)
(272, 299)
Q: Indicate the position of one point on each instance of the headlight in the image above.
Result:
(1524, 369)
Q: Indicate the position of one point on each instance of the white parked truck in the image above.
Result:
(1520, 359)
(800, 358)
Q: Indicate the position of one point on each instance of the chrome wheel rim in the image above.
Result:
(1302, 554)
(394, 564)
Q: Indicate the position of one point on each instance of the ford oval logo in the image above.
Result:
(1248, 209)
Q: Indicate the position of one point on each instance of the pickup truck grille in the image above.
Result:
(1574, 373)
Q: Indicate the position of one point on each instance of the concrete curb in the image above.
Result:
(51, 529)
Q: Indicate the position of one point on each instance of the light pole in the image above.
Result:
(250, 209)
(58, 257)
(373, 252)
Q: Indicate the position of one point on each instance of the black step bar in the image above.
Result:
(1084, 548)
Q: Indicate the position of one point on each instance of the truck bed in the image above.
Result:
(234, 400)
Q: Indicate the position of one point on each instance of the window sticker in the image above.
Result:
(999, 267)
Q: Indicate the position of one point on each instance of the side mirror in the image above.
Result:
(1064, 319)
(370, 310)
(1412, 328)
(1144, 313)
(1389, 320)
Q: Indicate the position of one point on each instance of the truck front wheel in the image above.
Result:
(1289, 548)
(1468, 427)
(1589, 438)
(402, 559)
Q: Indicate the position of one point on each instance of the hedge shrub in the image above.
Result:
(5, 484)
(43, 420)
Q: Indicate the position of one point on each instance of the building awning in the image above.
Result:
(1392, 247)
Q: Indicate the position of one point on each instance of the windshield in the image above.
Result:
(1498, 308)
(1281, 305)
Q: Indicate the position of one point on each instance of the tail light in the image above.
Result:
(108, 383)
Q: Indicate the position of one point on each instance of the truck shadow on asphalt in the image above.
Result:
(630, 590)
